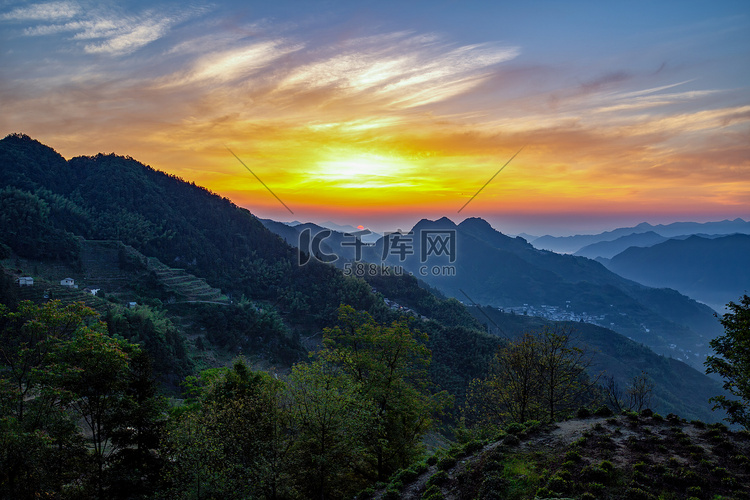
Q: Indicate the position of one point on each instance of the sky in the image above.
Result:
(383, 113)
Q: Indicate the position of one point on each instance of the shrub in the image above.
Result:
(420, 468)
(405, 475)
(587, 496)
(493, 486)
(544, 493)
(634, 493)
(694, 491)
(583, 412)
(565, 475)
(511, 440)
(698, 424)
(472, 447)
(646, 413)
(595, 487)
(558, 484)
(446, 463)
(438, 478)
(603, 411)
(580, 441)
(366, 493)
(720, 472)
(391, 494)
(514, 428)
(657, 417)
(532, 425)
(432, 460)
(568, 465)
(432, 493)
(573, 455)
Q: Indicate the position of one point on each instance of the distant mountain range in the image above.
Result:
(572, 244)
(713, 269)
(491, 268)
(364, 234)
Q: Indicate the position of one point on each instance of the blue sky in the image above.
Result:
(381, 113)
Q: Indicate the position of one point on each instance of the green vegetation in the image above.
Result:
(733, 362)
(541, 376)
(62, 371)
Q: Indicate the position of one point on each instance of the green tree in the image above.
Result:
(390, 363)
(732, 362)
(332, 419)
(61, 371)
(232, 441)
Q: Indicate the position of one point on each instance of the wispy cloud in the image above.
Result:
(402, 69)
(107, 31)
(51, 11)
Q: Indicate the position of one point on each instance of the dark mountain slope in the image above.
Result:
(678, 387)
(493, 269)
(108, 197)
(622, 457)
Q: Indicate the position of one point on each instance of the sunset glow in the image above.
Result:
(384, 115)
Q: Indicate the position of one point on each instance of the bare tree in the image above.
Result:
(635, 397)
(539, 376)
(639, 392)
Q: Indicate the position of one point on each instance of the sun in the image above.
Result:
(363, 170)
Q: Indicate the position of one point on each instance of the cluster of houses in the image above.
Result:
(29, 281)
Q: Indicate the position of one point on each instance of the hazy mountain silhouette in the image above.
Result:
(713, 270)
(571, 244)
(608, 249)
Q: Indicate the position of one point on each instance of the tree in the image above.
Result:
(59, 371)
(636, 396)
(732, 362)
(332, 419)
(512, 391)
(541, 376)
(232, 440)
(390, 363)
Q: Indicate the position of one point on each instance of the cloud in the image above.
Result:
(52, 11)
(399, 69)
(229, 65)
(128, 37)
(108, 31)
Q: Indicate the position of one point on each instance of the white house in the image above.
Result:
(67, 282)
(25, 281)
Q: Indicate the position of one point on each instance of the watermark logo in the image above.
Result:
(432, 243)
(438, 242)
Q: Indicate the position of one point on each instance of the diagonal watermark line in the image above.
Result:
(479, 308)
(264, 184)
(485, 184)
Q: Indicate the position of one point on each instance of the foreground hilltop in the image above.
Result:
(630, 456)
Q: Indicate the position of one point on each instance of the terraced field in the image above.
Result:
(185, 285)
